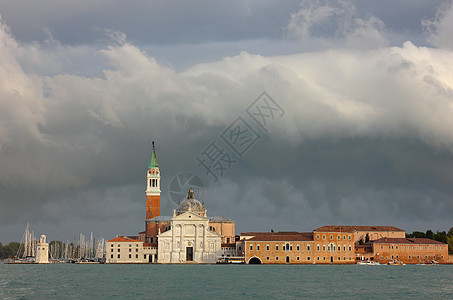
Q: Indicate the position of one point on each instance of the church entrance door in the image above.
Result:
(189, 253)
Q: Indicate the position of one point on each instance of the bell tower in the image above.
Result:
(153, 188)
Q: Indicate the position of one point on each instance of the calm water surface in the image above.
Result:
(62, 281)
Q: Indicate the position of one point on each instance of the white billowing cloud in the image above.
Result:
(336, 23)
(439, 29)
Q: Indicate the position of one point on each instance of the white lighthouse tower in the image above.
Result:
(42, 253)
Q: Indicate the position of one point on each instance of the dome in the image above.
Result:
(190, 204)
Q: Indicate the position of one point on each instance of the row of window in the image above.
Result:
(130, 256)
(331, 237)
(119, 245)
(130, 250)
(286, 247)
(332, 248)
(287, 258)
(416, 247)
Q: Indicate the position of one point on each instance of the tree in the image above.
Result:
(440, 236)
(416, 234)
(430, 234)
(9, 251)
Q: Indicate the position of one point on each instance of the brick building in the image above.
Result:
(409, 250)
(277, 248)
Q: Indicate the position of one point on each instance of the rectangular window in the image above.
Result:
(130, 256)
(240, 248)
(118, 256)
(258, 247)
(130, 250)
(111, 245)
(323, 247)
(297, 248)
(344, 248)
(276, 247)
(112, 250)
(136, 250)
(308, 258)
(331, 237)
(151, 240)
(267, 247)
(111, 256)
(136, 255)
(228, 240)
(276, 258)
(308, 247)
(267, 258)
(317, 236)
(297, 258)
(344, 237)
(251, 247)
(349, 237)
(291, 248)
(323, 237)
(130, 245)
(317, 258)
(118, 250)
(349, 248)
(317, 247)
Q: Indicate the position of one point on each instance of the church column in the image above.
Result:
(172, 250)
(181, 245)
(204, 238)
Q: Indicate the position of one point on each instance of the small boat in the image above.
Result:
(368, 263)
(396, 263)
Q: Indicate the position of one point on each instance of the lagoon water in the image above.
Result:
(63, 281)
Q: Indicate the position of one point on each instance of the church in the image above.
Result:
(189, 235)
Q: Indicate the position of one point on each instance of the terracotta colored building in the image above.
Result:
(367, 233)
(409, 250)
(276, 248)
(334, 245)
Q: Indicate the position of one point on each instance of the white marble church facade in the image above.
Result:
(190, 238)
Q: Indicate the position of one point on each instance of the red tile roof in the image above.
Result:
(123, 239)
(418, 241)
(267, 233)
(298, 236)
(356, 228)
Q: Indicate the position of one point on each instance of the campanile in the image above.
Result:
(153, 188)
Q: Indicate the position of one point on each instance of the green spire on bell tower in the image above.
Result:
(153, 162)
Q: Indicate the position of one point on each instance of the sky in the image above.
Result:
(290, 114)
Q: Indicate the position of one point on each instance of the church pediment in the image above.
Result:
(189, 217)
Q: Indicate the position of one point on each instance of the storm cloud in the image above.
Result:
(365, 137)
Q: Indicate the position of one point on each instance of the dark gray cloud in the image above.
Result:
(365, 139)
